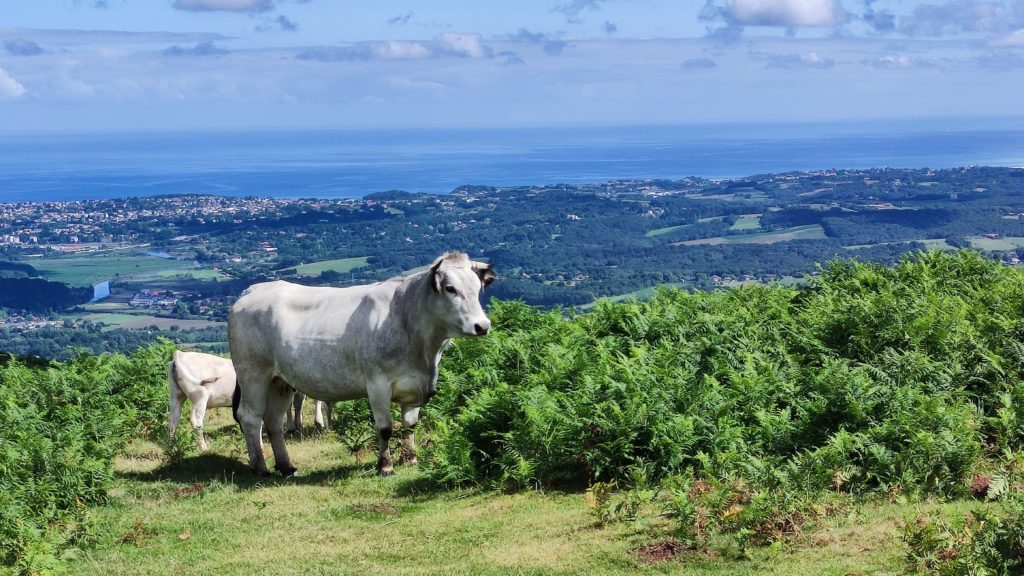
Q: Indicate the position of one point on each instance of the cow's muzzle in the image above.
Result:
(482, 328)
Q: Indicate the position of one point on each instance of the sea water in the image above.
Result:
(349, 164)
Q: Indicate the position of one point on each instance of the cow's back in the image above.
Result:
(312, 337)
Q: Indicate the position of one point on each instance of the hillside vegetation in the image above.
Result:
(705, 423)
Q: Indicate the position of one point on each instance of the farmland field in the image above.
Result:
(341, 265)
(116, 319)
(140, 320)
(930, 244)
(191, 274)
(668, 229)
(808, 232)
(85, 270)
(1003, 243)
(747, 222)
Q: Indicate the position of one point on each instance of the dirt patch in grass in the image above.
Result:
(660, 551)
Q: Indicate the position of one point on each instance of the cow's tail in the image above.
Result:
(172, 391)
(181, 371)
(236, 399)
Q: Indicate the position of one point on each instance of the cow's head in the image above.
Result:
(457, 282)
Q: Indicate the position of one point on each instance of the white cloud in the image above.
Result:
(443, 45)
(785, 13)
(224, 5)
(1012, 40)
(899, 62)
(461, 45)
(10, 89)
(794, 61)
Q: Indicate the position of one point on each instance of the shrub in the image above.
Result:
(984, 542)
(870, 379)
(60, 426)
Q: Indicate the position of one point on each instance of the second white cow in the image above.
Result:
(381, 341)
(208, 381)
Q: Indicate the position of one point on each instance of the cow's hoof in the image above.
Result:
(408, 460)
(264, 473)
(389, 471)
(287, 471)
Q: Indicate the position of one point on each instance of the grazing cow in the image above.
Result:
(293, 420)
(208, 381)
(381, 341)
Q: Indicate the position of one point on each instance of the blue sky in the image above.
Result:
(126, 65)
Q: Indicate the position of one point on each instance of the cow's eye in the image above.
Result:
(450, 289)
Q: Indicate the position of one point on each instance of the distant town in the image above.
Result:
(175, 263)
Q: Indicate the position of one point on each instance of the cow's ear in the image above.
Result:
(486, 274)
(435, 278)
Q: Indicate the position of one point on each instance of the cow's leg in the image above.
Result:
(318, 418)
(293, 417)
(198, 413)
(177, 401)
(379, 394)
(410, 416)
(281, 396)
(254, 386)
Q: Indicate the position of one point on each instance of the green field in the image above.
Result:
(142, 320)
(191, 274)
(210, 515)
(86, 270)
(747, 222)
(667, 229)
(930, 244)
(117, 320)
(808, 232)
(339, 265)
(1004, 243)
(641, 294)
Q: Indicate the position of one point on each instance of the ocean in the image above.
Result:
(350, 164)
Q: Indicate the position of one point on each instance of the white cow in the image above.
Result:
(208, 381)
(293, 419)
(380, 341)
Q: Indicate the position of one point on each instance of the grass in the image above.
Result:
(930, 244)
(192, 274)
(665, 230)
(117, 319)
(165, 323)
(668, 229)
(114, 319)
(747, 222)
(86, 270)
(340, 265)
(210, 515)
(808, 232)
(641, 294)
(1003, 243)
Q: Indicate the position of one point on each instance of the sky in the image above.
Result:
(137, 65)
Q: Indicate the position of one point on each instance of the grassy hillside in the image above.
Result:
(209, 515)
(868, 422)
